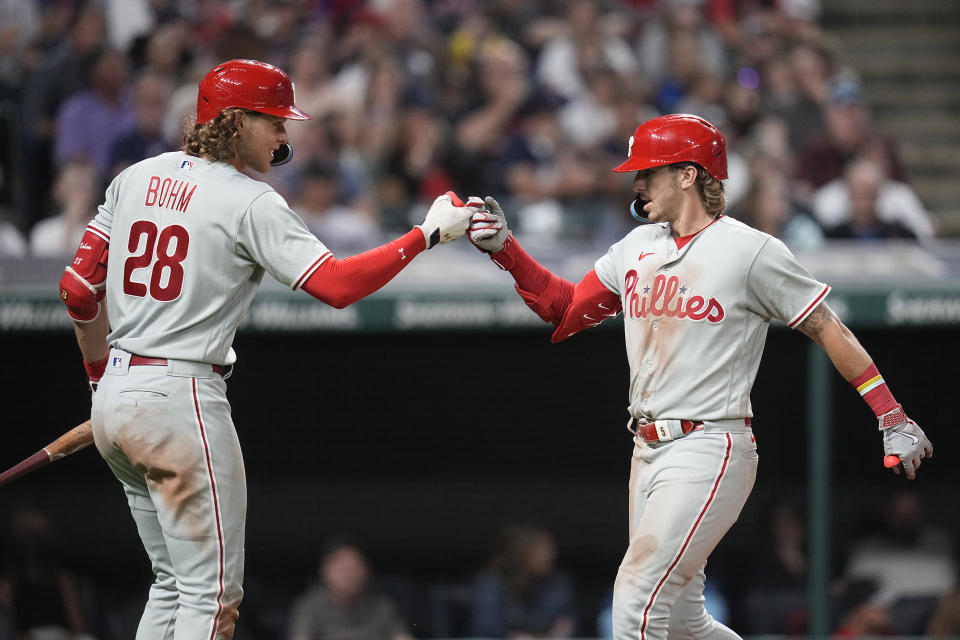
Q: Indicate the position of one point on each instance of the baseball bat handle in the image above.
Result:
(890, 461)
(34, 462)
(79, 437)
(72, 441)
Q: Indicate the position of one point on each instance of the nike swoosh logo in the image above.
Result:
(643, 255)
(915, 439)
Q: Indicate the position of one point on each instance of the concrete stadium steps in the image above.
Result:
(908, 56)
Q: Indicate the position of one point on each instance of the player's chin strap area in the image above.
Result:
(282, 156)
(636, 210)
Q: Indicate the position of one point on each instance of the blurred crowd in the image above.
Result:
(895, 576)
(531, 101)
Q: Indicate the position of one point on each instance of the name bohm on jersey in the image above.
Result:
(168, 193)
(666, 298)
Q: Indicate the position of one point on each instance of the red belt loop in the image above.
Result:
(162, 362)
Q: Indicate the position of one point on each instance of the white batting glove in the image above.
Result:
(488, 228)
(447, 219)
(904, 439)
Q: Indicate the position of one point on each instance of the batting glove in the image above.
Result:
(447, 219)
(903, 438)
(488, 228)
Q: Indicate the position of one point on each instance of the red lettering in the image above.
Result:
(152, 191)
(630, 294)
(659, 286)
(672, 285)
(694, 306)
(679, 310)
(174, 192)
(164, 192)
(716, 311)
(662, 300)
(185, 198)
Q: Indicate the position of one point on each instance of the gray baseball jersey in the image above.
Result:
(190, 240)
(695, 318)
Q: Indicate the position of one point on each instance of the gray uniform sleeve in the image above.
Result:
(103, 221)
(778, 287)
(273, 236)
(608, 268)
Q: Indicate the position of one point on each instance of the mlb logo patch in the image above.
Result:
(186, 164)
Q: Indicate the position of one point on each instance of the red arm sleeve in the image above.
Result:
(592, 304)
(340, 283)
(570, 308)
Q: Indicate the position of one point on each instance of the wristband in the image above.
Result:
(874, 390)
(95, 369)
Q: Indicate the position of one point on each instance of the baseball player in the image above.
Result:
(177, 251)
(698, 291)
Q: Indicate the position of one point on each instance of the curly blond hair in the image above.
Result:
(212, 140)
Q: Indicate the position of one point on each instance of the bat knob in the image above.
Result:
(890, 461)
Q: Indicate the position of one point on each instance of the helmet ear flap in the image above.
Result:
(282, 156)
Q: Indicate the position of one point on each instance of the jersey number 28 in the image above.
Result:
(156, 252)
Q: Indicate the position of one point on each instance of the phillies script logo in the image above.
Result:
(663, 300)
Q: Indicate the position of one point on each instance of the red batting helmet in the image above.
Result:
(247, 84)
(678, 137)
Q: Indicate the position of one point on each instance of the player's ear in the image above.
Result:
(688, 176)
(239, 120)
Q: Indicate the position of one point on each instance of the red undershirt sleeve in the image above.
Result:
(340, 283)
(569, 307)
(592, 303)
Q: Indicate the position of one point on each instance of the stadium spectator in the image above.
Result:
(151, 92)
(344, 229)
(770, 207)
(92, 119)
(76, 193)
(12, 242)
(19, 22)
(858, 206)
(909, 561)
(848, 132)
(415, 165)
(584, 44)
(945, 620)
(165, 50)
(59, 74)
(863, 193)
(342, 606)
(523, 594)
(860, 615)
(480, 130)
(687, 17)
(545, 177)
(797, 89)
